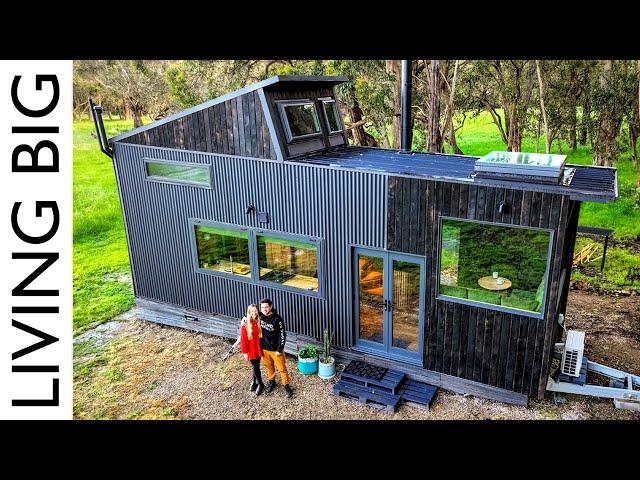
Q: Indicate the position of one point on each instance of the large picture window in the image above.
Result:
(178, 172)
(300, 119)
(222, 250)
(495, 265)
(288, 262)
(273, 259)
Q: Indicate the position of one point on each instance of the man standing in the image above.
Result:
(273, 338)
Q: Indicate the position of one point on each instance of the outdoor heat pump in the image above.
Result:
(572, 353)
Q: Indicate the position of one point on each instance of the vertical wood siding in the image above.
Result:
(500, 349)
(341, 207)
(234, 127)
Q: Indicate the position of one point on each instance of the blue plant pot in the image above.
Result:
(307, 366)
(327, 370)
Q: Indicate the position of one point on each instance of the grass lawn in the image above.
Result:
(101, 272)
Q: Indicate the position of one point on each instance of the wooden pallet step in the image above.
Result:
(417, 394)
(369, 396)
(389, 382)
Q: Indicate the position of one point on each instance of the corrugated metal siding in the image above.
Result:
(501, 349)
(343, 208)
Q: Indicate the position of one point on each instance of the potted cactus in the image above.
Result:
(327, 364)
(308, 360)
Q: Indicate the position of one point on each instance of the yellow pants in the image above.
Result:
(269, 358)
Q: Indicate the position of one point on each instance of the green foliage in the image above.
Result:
(521, 299)
(179, 88)
(308, 351)
(458, 292)
(483, 296)
(619, 261)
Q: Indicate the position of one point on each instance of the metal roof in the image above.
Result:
(594, 184)
(236, 93)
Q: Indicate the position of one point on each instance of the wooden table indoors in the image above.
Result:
(491, 283)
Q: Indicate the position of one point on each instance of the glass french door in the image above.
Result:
(389, 303)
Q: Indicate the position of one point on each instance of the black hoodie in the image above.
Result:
(273, 332)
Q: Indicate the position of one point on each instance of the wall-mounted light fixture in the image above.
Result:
(250, 209)
(503, 207)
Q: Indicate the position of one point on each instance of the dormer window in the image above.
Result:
(299, 119)
(332, 115)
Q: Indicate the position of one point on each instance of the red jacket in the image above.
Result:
(251, 347)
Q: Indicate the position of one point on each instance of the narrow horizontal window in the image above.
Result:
(494, 265)
(223, 250)
(300, 119)
(332, 114)
(288, 262)
(178, 172)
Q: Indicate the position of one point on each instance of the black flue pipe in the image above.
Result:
(405, 101)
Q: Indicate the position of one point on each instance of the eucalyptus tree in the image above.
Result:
(504, 89)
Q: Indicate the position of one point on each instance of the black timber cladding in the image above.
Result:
(501, 349)
(234, 127)
(342, 208)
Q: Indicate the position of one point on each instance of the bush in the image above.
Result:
(308, 351)
(521, 299)
(484, 296)
(457, 292)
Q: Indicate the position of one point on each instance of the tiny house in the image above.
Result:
(453, 269)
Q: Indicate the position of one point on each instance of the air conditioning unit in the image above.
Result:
(572, 353)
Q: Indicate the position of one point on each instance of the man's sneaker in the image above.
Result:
(287, 391)
(253, 387)
(259, 389)
(270, 385)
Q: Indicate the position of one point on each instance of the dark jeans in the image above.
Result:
(255, 365)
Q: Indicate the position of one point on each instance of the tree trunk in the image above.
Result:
(394, 68)
(633, 143)
(355, 114)
(608, 123)
(434, 140)
(586, 110)
(448, 127)
(126, 110)
(547, 143)
(137, 117)
(573, 142)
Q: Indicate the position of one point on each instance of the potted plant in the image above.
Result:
(327, 365)
(308, 360)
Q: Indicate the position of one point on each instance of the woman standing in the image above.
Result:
(250, 335)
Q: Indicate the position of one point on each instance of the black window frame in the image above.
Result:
(153, 178)
(283, 104)
(195, 254)
(253, 234)
(324, 101)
